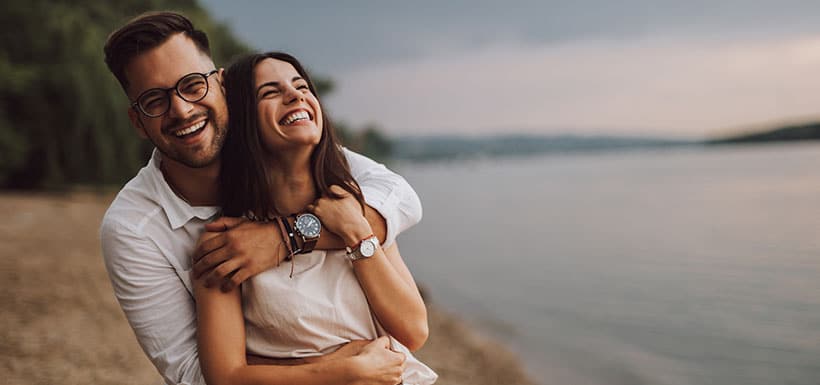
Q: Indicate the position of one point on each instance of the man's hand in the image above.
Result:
(370, 362)
(233, 250)
(378, 365)
(343, 217)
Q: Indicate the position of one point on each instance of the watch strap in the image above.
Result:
(355, 253)
(307, 243)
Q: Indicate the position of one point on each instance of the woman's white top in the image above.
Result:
(314, 312)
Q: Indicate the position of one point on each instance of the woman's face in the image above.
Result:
(289, 114)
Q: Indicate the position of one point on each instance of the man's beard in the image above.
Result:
(203, 156)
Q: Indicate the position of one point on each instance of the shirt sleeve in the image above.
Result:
(155, 301)
(386, 192)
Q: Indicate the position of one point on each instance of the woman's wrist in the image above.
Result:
(355, 232)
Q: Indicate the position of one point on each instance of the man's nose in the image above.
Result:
(179, 108)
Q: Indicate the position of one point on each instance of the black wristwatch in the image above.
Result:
(309, 228)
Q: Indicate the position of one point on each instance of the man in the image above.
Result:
(151, 231)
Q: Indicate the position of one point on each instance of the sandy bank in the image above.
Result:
(60, 323)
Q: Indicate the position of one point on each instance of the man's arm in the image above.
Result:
(162, 314)
(387, 193)
(245, 249)
(155, 301)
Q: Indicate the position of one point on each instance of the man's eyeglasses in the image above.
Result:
(156, 102)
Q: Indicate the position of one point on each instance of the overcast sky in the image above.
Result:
(683, 68)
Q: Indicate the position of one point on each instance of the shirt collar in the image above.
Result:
(178, 211)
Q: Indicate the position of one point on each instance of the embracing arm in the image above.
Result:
(249, 248)
(222, 352)
(387, 193)
(390, 289)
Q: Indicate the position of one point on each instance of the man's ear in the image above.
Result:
(136, 122)
(220, 77)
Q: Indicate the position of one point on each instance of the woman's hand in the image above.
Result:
(343, 216)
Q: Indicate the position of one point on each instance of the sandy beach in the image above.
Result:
(61, 324)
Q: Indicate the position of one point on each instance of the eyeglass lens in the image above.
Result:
(191, 88)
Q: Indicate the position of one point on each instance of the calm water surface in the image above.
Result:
(684, 266)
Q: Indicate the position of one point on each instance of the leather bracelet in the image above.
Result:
(284, 235)
(294, 246)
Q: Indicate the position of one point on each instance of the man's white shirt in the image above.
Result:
(149, 234)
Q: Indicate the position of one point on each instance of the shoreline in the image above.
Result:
(462, 355)
(60, 321)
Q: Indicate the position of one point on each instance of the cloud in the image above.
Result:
(666, 86)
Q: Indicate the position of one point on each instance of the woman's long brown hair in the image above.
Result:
(244, 178)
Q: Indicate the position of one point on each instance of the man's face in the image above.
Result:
(190, 133)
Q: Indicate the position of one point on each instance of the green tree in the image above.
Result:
(62, 114)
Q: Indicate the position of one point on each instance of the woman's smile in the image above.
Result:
(295, 117)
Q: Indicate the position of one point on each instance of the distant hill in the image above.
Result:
(457, 147)
(809, 131)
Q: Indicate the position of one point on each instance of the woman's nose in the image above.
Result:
(293, 95)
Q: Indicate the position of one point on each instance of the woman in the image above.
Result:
(281, 157)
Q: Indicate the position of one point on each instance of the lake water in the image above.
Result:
(678, 266)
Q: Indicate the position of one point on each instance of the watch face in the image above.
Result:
(368, 248)
(308, 225)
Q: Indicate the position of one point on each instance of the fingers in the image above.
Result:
(400, 357)
(358, 344)
(388, 365)
(207, 245)
(236, 279)
(382, 342)
(221, 272)
(350, 349)
(338, 190)
(206, 236)
(209, 261)
(401, 360)
(224, 224)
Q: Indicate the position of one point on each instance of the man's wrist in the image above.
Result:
(353, 368)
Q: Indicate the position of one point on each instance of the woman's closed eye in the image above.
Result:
(269, 92)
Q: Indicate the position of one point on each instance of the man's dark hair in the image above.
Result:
(143, 33)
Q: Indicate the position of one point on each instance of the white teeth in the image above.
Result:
(194, 128)
(296, 116)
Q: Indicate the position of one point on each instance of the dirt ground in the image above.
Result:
(60, 322)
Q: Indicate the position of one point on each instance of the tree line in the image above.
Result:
(63, 115)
